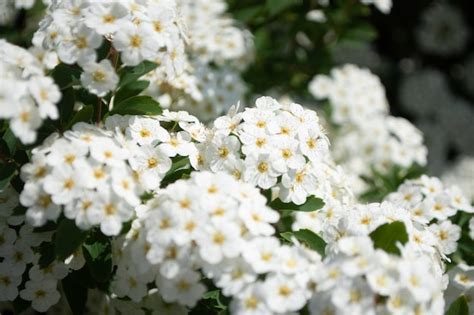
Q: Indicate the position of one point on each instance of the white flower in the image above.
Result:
(46, 95)
(283, 294)
(258, 218)
(78, 210)
(286, 155)
(99, 78)
(416, 277)
(383, 280)
(136, 43)
(107, 151)
(110, 211)
(105, 18)
(251, 301)
(236, 275)
(298, 184)
(178, 144)
(18, 256)
(257, 143)
(217, 242)
(355, 298)
(447, 235)
(259, 170)
(184, 289)
(7, 238)
(41, 207)
(63, 184)
(153, 164)
(224, 149)
(81, 47)
(262, 254)
(42, 294)
(24, 125)
(10, 280)
(146, 131)
(63, 153)
(129, 283)
(313, 144)
(55, 271)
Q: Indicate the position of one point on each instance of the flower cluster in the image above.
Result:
(368, 137)
(27, 96)
(202, 89)
(361, 279)
(224, 230)
(216, 51)
(427, 199)
(356, 95)
(213, 35)
(7, 12)
(98, 175)
(138, 30)
(271, 145)
(442, 30)
(461, 175)
(461, 282)
(20, 259)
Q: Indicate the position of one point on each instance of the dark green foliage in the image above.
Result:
(387, 236)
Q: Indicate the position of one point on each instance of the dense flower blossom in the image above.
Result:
(366, 137)
(35, 96)
(356, 275)
(19, 255)
(248, 215)
(210, 62)
(427, 198)
(99, 175)
(138, 31)
(271, 145)
(461, 175)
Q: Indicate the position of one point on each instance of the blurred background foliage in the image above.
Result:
(290, 49)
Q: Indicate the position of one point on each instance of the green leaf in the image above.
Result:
(363, 32)
(131, 89)
(20, 305)
(19, 210)
(311, 204)
(309, 238)
(137, 105)
(276, 6)
(68, 238)
(75, 292)
(247, 14)
(214, 295)
(64, 76)
(179, 167)
(388, 235)
(132, 74)
(47, 254)
(7, 171)
(98, 254)
(85, 115)
(458, 307)
(10, 141)
(48, 227)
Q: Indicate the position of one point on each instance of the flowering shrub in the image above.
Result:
(355, 97)
(114, 202)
